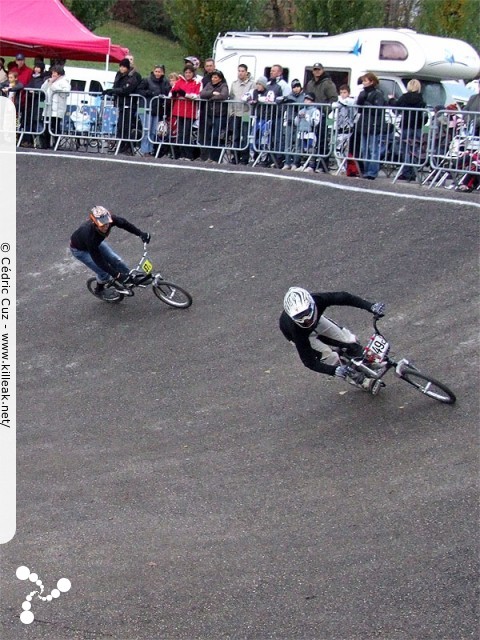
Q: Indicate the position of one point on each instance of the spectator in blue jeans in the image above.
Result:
(371, 124)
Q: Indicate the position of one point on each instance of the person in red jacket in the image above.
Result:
(24, 76)
(24, 72)
(185, 92)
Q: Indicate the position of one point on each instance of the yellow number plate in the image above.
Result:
(146, 265)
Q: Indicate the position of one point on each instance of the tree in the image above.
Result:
(196, 23)
(149, 15)
(91, 14)
(451, 18)
(338, 16)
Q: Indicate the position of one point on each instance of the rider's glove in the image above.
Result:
(342, 371)
(345, 371)
(145, 237)
(378, 309)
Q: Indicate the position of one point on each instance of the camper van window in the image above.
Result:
(77, 85)
(95, 87)
(390, 88)
(391, 50)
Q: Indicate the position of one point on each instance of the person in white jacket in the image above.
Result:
(56, 89)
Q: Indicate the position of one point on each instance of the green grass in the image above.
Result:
(147, 48)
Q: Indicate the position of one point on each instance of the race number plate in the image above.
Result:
(377, 348)
(146, 265)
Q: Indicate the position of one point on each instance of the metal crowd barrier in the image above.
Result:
(445, 145)
(455, 147)
(391, 138)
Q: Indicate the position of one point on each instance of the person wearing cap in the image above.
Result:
(155, 88)
(88, 245)
(124, 85)
(321, 85)
(24, 72)
(294, 98)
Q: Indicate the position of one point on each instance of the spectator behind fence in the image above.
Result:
(56, 89)
(195, 63)
(3, 71)
(154, 88)
(413, 119)
(321, 85)
(216, 113)
(203, 133)
(24, 72)
(296, 96)
(124, 86)
(240, 115)
(185, 92)
(371, 124)
(307, 122)
(34, 97)
(133, 70)
(262, 99)
(347, 134)
(277, 135)
(473, 104)
(11, 89)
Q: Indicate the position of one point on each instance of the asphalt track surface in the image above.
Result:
(183, 469)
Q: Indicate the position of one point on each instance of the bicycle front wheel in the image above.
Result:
(428, 386)
(172, 294)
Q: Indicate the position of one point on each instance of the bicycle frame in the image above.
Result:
(387, 363)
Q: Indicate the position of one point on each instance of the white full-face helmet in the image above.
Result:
(300, 306)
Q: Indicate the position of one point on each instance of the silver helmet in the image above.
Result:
(300, 306)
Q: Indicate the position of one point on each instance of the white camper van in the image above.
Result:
(89, 80)
(394, 55)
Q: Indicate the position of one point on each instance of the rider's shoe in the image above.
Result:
(99, 289)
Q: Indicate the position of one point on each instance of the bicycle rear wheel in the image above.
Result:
(428, 386)
(172, 294)
(111, 294)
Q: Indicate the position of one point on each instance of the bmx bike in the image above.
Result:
(141, 277)
(376, 362)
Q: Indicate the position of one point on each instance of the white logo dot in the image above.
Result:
(23, 573)
(27, 617)
(33, 577)
(64, 585)
(55, 593)
(26, 606)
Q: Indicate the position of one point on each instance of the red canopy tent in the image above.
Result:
(46, 28)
